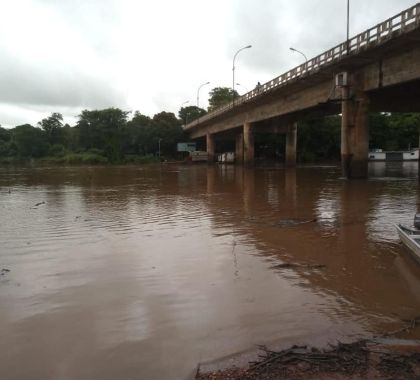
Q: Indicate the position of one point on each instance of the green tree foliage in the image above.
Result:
(52, 125)
(102, 129)
(5, 137)
(109, 135)
(143, 134)
(394, 131)
(220, 96)
(190, 113)
(70, 138)
(29, 141)
(319, 140)
(166, 128)
(138, 135)
(5, 134)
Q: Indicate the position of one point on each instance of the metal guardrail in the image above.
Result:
(374, 36)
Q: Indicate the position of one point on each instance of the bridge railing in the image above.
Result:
(376, 35)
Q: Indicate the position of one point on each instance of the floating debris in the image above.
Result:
(294, 222)
(4, 271)
(39, 204)
(298, 266)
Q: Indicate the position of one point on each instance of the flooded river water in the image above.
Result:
(143, 272)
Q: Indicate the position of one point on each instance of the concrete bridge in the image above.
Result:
(377, 70)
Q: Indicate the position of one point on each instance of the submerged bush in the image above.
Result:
(136, 159)
(57, 150)
(84, 158)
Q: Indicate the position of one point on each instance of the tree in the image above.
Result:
(103, 129)
(167, 127)
(394, 131)
(137, 135)
(319, 140)
(5, 137)
(52, 126)
(30, 141)
(220, 96)
(5, 134)
(190, 113)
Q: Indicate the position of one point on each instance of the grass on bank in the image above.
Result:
(85, 158)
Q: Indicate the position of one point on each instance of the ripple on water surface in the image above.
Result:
(124, 271)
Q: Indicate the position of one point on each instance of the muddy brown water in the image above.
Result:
(142, 272)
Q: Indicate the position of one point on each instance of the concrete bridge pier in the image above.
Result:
(291, 140)
(249, 149)
(239, 149)
(354, 134)
(418, 169)
(210, 147)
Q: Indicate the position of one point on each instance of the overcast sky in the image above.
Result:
(152, 55)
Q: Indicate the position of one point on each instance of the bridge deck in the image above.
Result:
(354, 52)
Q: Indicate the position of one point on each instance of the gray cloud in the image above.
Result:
(310, 26)
(69, 55)
(26, 84)
(63, 71)
(96, 20)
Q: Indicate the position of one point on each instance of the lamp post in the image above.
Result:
(159, 147)
(186, 102)
(348, 27)
(233, 70)
(298, 51)
(238, 84)
(198, 93)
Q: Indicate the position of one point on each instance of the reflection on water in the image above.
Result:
(127, 272)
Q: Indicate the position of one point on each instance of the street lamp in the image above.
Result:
(233, 69)
(238, 84)
(159, 147)
(348, 27)
(198, 93)
(298, 51)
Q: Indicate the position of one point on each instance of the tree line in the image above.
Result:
(99, 136)
(115, 136)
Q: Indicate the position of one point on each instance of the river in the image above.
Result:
(143, 272)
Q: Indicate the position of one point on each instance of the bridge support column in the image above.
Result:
(291, 140)
(249, 150)
(419, 157)
(239, 149)
(355, 134)
(210, 147)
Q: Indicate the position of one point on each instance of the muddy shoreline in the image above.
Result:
(377, 358)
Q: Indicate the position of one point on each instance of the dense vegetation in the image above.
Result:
(319, 140)
(100, 136)
(116, 136)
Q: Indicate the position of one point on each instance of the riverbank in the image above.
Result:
(365, 359)
(79, 159)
